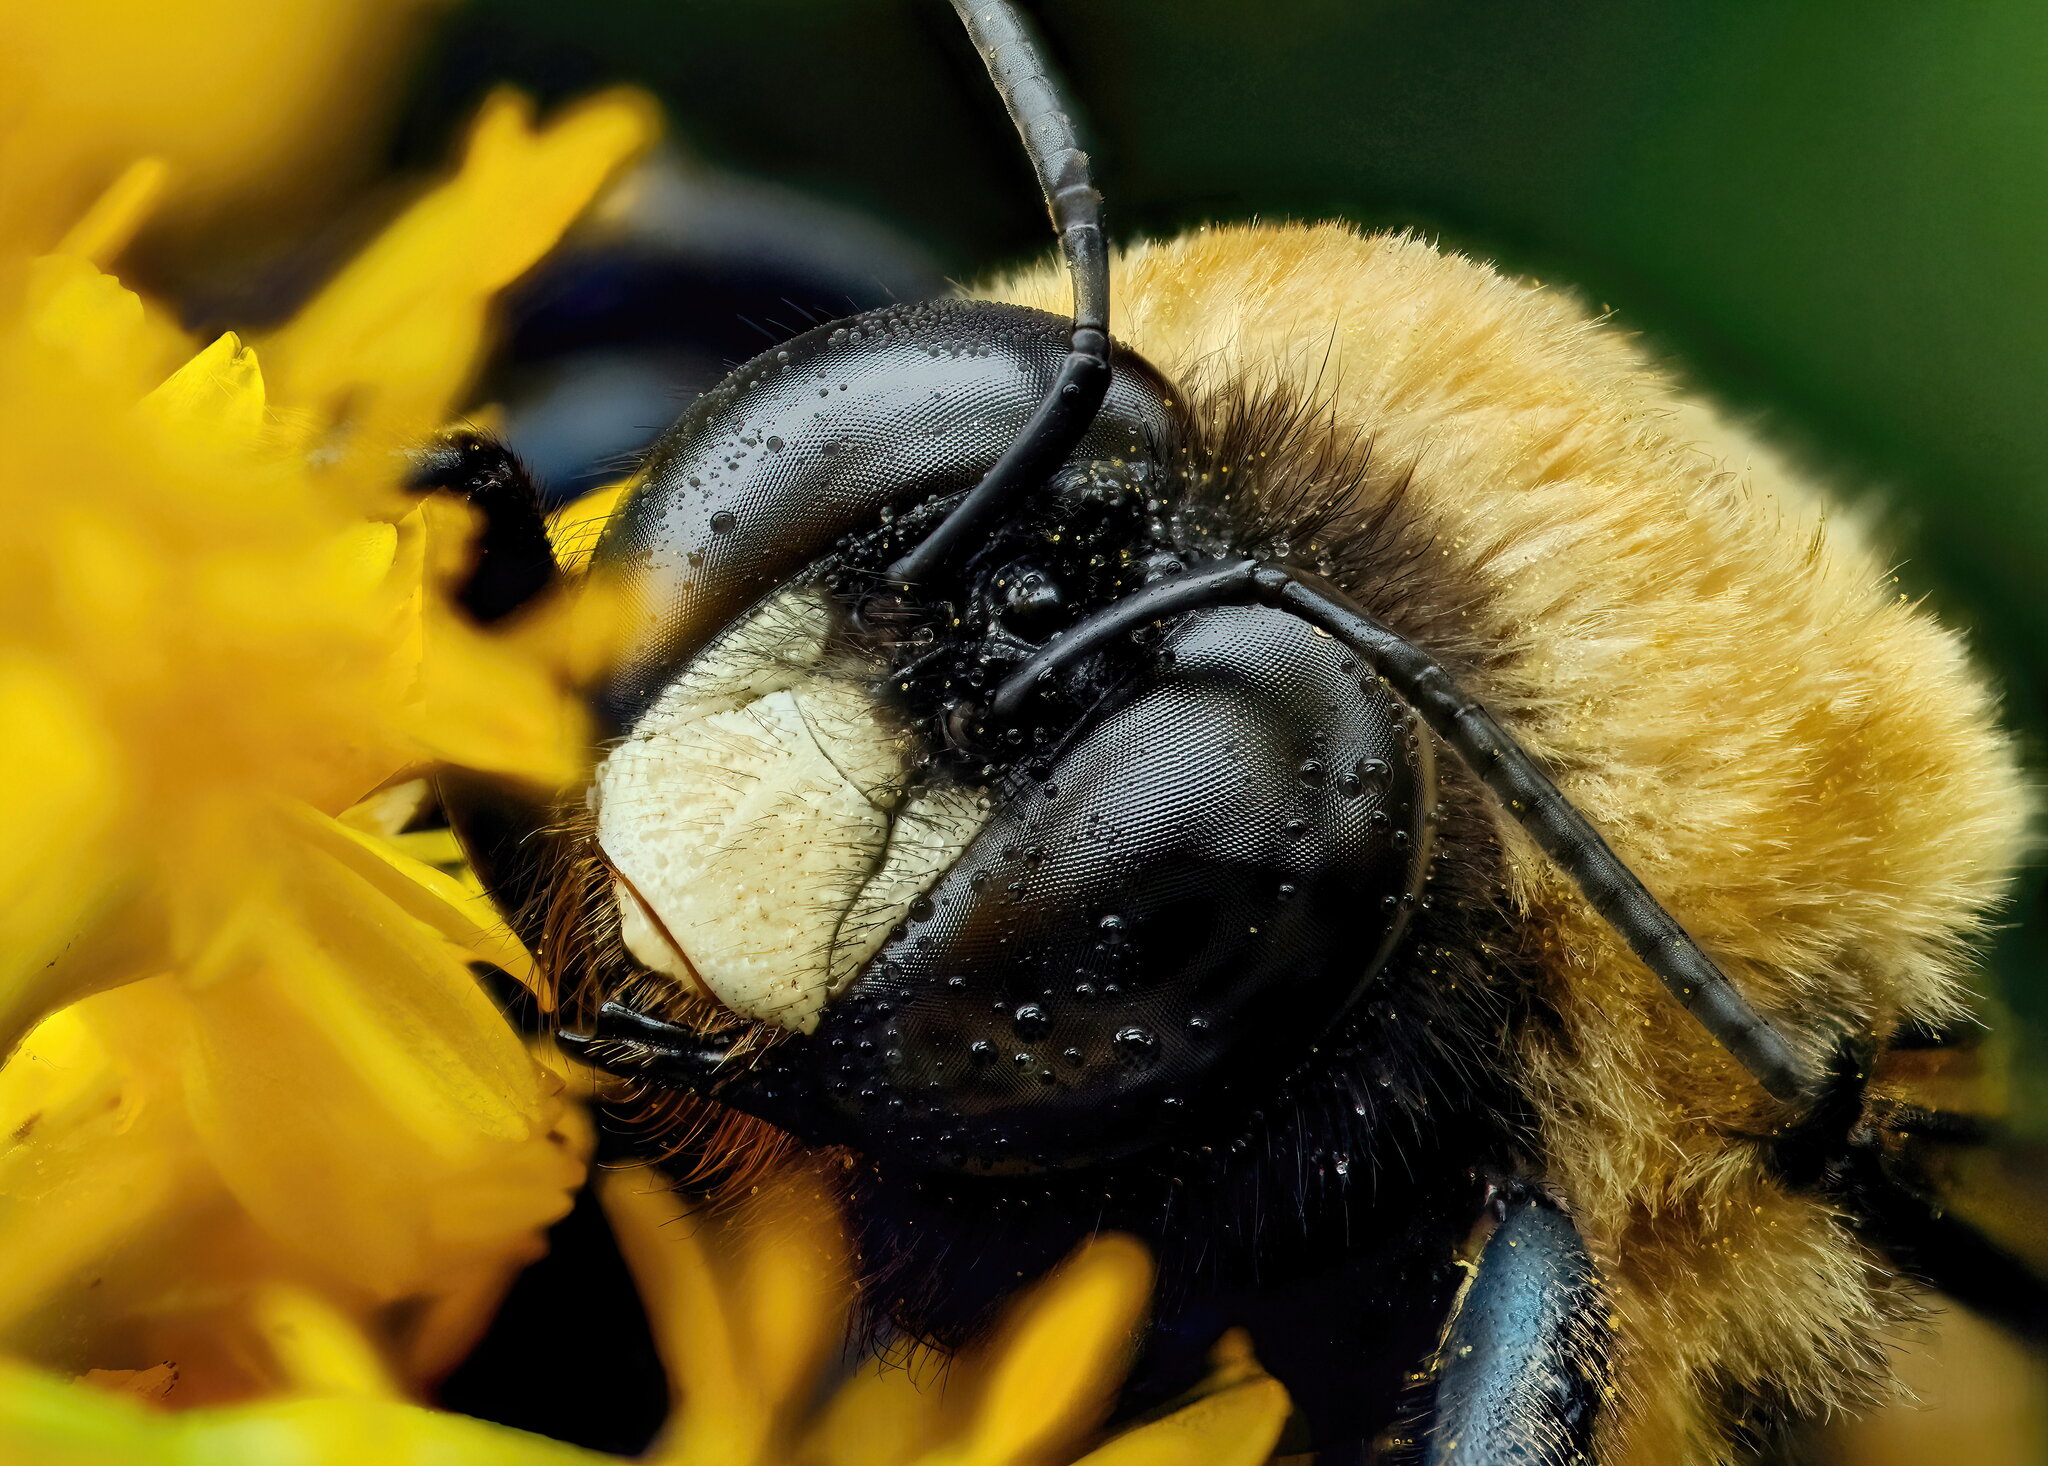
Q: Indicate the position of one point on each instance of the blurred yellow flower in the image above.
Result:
(748, 1310)
(237, 98)
(226, 628)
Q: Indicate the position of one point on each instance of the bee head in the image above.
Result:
(1041, 944)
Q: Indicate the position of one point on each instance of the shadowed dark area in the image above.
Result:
(569, 1355)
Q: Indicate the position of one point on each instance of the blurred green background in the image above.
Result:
(1832, 216)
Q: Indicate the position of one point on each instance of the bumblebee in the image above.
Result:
(1085, 761)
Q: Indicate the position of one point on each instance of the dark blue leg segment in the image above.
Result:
(1525, 1357)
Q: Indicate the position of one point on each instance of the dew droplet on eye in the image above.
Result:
(1031, 1021)
(1136, 1045)
(722, 522)
(1312, 771)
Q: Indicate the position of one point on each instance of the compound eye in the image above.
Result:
(1034, 606)
(1205, 879)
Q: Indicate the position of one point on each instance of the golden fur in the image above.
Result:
(1798, 760)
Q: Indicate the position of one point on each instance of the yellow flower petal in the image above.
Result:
(319, 1350)
(47, 1421)
(300, 1149)
(1237, 1426)
(354, 1432)
(221, 388)
(153, 1383)
(789, 1292)
(721, 1419)
(422, 892)
(66, 786)
(483, 701)
(1059, 1358)
(389, 809)
(103, 329)
(360, 558)
(434, 848)
(360, 1094)
(86, 1166)
(392, 341)
(482, 704)
(744, 1306)
(265, 102)
(887, 1414)
(107, 227)
(51, 1423)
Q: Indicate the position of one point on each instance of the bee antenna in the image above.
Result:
(1023, 74)
(1523, 786)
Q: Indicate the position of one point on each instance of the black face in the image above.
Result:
(1185, 868)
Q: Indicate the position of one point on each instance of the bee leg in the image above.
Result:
(507, 834)
(1906, 1217)
(1524, 1357)
(514, 562)
(1924, 1238)
(513, 841)
(1879, 1159)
